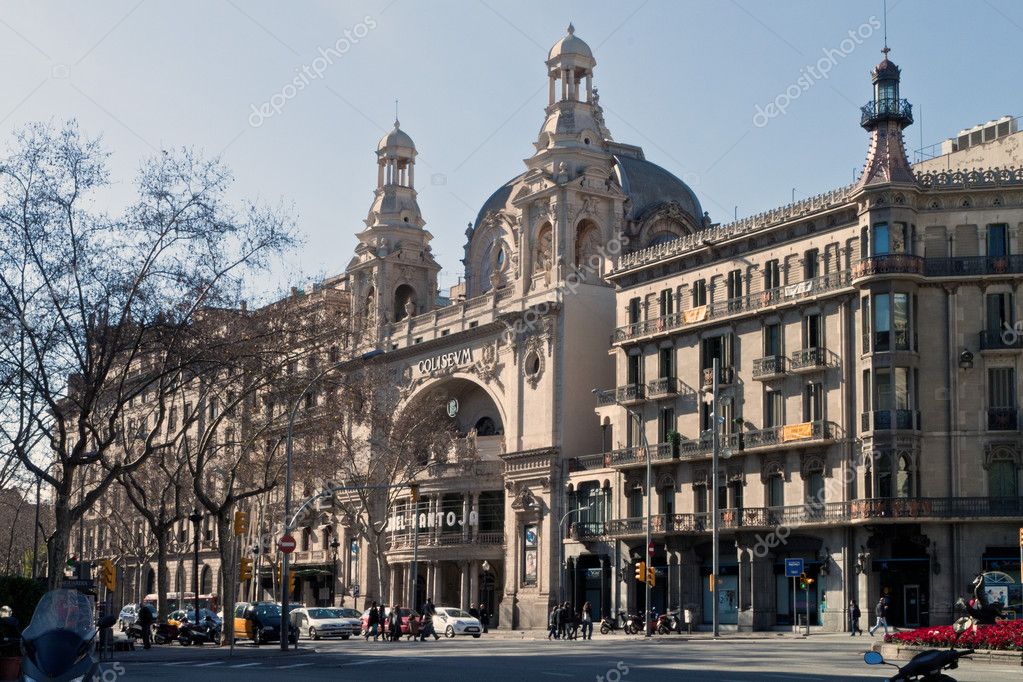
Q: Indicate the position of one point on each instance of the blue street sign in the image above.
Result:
(793, 568)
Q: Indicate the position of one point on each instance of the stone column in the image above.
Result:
(550, 93)
(412, 174)
(465, 516)
(474, 581)
(463, 597)
(475, 530)
(589, 87)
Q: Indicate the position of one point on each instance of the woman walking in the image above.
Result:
(586, 618)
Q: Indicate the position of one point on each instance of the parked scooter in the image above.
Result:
(668, 622)
(609, 625)
(928, 666)
(190, 633)
(633, 624)
(60, 642)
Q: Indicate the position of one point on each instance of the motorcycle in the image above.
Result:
(633, 624)
(60, 641)
(609, 625)
(198, 633)
(668, 622)
(162, 633)
(927, 666)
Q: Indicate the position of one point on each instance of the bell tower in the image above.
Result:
(393, 274)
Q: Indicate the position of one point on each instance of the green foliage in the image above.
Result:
(22, 595)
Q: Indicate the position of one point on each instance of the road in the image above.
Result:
(826, 658)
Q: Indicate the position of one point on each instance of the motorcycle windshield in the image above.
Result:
(61, 631)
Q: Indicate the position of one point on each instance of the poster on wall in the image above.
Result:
(529, 560)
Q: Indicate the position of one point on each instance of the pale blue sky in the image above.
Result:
(681, 79)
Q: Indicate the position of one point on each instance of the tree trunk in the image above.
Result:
(57, 548)
(228, 574)
(162, 576)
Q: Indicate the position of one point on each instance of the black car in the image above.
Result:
(260, 622)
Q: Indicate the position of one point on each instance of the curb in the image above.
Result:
(897, 652)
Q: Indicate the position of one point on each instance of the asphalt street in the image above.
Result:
(614, 658)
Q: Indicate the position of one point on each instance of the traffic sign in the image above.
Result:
(80, 584)
(793, 568)
(286, 544)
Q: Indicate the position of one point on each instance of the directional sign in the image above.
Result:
(80, 584)
(793, 568)
(286, 544)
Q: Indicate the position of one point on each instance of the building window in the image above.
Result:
(882, 322)
(891, 314)
(719, 347)
(776, 491)
(813, 402)
(666, 364)
(815, 496)
(811, 264)
(813, 331)
(666, 424)
(1000, 315)
(997, 240)
(772, 340)
(699, 293)
(1001, 383)
(635, 503)
(900, 321)
(666, 303)
(735, 495)
(774, 409)
(904, 477)
(634, 307)
(865, 323)
(1003, 477)
(880, 243)
(733, 284)
(635, 369)
(772, 275)
(700, 499)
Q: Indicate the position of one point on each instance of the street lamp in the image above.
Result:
(334, 544)
(196, 518)
(561, 545)
(649, 496)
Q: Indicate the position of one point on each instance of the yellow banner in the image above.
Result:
(695, 315)
(797, 431)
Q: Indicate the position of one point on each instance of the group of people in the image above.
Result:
(880, 613)
(564, 622)
(386, 624)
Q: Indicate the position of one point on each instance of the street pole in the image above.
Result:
(714, 530)
(196, 519)
(334, 544)
(414, 587)
(35, 532)
(563, 573)
(649, 522)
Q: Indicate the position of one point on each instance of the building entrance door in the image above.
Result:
(911, 605)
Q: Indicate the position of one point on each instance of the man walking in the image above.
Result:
(881, 611)
(146, 625)
(552, 621)
(372, 621)
(429, 611)
(854, 618)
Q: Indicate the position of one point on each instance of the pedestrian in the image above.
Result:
(372, 621)
(881, 611)
(854, 618)
(562, 622)
(413, 626)
(473, 611)
(484, 618)
(586, 617)
(145, 619)
(395, 624)
(573, 621)
(552, 621)
(429, 612)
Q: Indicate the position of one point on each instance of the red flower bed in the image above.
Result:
(1005, 636)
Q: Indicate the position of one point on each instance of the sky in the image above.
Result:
(750, 103)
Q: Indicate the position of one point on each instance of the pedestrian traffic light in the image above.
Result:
(414, 489)
(651, 576)
(245, 569)
(241, 523)
(802, 581)
(108, 574)
(641, 571)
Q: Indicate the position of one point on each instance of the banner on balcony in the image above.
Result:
(695, 315)
(798, 289)
(797, 431)
(439, 519)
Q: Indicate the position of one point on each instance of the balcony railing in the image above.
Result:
(886, 420)
(789, 434)
(665, 386)
(1001, 339)
(889, 264)
(971, 266)
(808, 359)
(733, 306)
(769, 367)
(886, 109)
(588, 462)
(622, 394)
(726, 376)
(811, 514)
(427, 539)
(636, 455)
(1002, 419)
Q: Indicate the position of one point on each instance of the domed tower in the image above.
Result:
(393, 274)
(885, 118)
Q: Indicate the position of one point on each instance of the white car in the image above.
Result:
(315, 622)
(452, 621)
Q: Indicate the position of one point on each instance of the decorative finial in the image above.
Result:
(571, 29)
(396, 125)
(884, 6)
(885, 50)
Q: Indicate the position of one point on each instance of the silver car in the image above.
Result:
(315, 622)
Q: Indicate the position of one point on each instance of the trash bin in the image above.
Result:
(688, 615)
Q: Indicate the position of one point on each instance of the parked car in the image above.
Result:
(260, 622)
(452, 621)
(316, 622)
(128, 615)
(405, 614)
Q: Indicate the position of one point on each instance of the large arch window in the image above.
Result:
(403, 296)
(588, 250)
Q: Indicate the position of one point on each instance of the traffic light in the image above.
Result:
(641, 571)
(414, 489)
(805, 581)
(245, 569)
(651, 576)
(241, 523)
(277, 574)
(108, 574)
(291, 581)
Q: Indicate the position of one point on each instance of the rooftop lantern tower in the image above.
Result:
(885, 117)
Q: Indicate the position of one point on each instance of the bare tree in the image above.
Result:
(99, 310)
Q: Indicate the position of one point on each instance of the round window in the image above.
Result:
(532, 364)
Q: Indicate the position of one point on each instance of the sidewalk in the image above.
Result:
(169, 653)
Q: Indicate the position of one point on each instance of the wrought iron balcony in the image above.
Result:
(1001, 339)
(406, 540)
(809, 359)
(789, 435)
(588, 462)
(636, 455)
(889, 264)
(1002, 419)
(770, 367)
(973, 266)
(886, 110)
(662, 387)
(726, 376)
(630, 393)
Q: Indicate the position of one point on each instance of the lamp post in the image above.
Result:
(649, 495)
(334, 544)
(715, 530)
(561, 546)
(196, 518)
